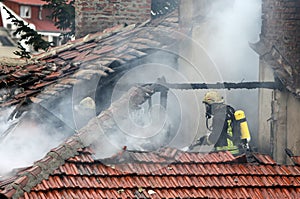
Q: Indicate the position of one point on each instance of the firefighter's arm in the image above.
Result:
(217, 127)
(201, 141)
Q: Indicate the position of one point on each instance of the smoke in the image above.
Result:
(225, 34)
(227, 38)
(153, 126)
(140, 131)
(28, 138)
(28, 143)
(217, 51)
(3, 120)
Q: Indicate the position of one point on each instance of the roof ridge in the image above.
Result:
(7, 61)
(43, 168)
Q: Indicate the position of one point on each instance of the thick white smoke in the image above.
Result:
(217, 51)
(28, 143)
(28, 138)
(225, 35)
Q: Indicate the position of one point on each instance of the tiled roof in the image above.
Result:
(30, 2)
(69, 64)
(167, 173)
(72, 170)
(44, 25)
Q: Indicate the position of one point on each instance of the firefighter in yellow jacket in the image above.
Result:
(226, 125)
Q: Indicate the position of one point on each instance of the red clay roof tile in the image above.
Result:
(296, 160)
(264, 159)
(25, 94)
(86, 46)
(9, 192)
(45, 184)
(45, 25)
(103, 49)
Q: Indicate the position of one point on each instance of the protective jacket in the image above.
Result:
(225, 133)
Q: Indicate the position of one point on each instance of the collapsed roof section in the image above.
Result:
(48, 75)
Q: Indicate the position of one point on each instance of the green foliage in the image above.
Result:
(23, 53)
(63, 14)
(162, 7)
(29, 35)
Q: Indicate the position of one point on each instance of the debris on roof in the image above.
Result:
(73, 170)
(152, 175)
(295, 159)
(48, 76)
(79, 60)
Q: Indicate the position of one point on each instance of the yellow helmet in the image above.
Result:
(87, 103)
(213, 97)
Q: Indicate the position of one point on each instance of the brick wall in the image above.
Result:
(96, 15)
(279, 48)
(281, 27)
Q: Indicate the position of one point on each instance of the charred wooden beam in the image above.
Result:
(225, 85)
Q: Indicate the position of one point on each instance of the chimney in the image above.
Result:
(96, 15)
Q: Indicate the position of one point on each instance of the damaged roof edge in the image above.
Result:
(282, 68)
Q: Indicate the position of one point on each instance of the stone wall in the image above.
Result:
(97, 15)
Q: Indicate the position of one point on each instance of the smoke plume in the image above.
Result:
(225, 34)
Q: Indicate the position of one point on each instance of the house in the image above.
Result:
(34, 13)
(88, 164)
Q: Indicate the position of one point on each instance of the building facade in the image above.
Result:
(34, 13)
(279, 50)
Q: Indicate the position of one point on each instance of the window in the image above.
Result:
(9, 26)
(4, 41)
(25, 11)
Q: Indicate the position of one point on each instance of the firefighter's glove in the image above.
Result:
(203, 140)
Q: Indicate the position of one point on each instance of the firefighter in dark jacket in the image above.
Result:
(224, 131)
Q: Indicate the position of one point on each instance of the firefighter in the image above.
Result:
(84, 111)
(224, 130)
